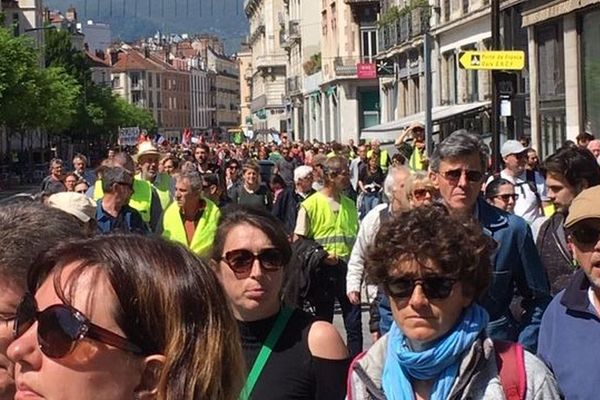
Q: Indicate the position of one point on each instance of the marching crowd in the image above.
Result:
(213, 272)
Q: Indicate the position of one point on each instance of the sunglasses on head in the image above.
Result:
(586, 235)
(507, 197)
(241, 261)
(61, 327)
(454, 175)
(433, 287)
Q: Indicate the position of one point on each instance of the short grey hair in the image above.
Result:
(389, 184)
(112, 175)
(195, 179)
(460, 144)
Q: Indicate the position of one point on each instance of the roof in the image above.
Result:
(95, 61)
(133, 60)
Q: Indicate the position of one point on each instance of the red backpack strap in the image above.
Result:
(349, 378)
(510, 358)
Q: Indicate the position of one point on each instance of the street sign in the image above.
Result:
(366, 71)
(499, 60)
(385, 68)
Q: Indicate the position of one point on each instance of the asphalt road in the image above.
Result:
(339, 324)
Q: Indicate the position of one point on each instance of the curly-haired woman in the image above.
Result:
(433, 266)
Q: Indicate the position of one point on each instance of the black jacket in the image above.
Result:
(305, 265)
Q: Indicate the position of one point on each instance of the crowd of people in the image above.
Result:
(214, 272)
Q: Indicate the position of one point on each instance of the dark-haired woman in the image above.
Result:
(121, 318)
(501, 193)
(433, 266)
(251, 192)
(308, 358)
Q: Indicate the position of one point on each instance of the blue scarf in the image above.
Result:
(439, 362)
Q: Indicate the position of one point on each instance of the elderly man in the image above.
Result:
(331, 219)
(569, 336)
(457, 168)
(80, 169)
(384, 157)
(529, 185)
(147, 159)
(192, 219)
(28, 229)
(144, 199)
(394, 189)
(286, 206)
(568, 171)
(113, 214)
(594, 147)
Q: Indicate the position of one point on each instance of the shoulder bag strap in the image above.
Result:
(510, 359)
(265, 351)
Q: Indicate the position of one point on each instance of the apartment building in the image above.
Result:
(25, 17)
(227, 89)
(269, 62)
(348, 99)
(244, 61)
(202, 99)
(564, 77)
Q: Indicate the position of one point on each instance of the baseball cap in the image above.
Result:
(512, 147)
(76, 204)
(586, 205)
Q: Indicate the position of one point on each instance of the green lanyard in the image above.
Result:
(265, 351)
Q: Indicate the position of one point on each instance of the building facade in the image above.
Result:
(564, 79)
(202, 100)
(227, 89)
(269, 62)
(244, 60)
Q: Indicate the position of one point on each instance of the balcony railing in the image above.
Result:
(272, 60)
(405, 28)
(345, 66)
(357, 2)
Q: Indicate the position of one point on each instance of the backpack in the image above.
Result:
(510, 359)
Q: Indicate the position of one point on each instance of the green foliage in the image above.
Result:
(394, 12)
(313, 65)
(132, 115)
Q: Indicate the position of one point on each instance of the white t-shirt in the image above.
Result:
(527, 205)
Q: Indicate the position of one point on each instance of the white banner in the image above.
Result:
(129, 136)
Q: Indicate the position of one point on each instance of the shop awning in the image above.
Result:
(389, 131)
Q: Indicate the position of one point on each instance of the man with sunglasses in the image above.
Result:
(457, 168)
(568, 172)
(113, 213)
(529, 184)
(569, 335)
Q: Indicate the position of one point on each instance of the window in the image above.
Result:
(150, 79)
(116, 81)
(591, 69)
(368, 44)
(135, 80)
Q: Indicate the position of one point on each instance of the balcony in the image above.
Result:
(405, 28)
(290, 36)
(345, 66)
(271, 60)
(361, 2)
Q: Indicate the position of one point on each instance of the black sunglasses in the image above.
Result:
(422, 193)
(586, 235)
(61, 326)
(433, 287)
(507, 197)
(241, 261)
(454, 175)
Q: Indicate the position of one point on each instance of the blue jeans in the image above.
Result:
(350, 313)
(385, 313)
(369, 202)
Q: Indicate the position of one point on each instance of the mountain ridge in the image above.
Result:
(133, 19)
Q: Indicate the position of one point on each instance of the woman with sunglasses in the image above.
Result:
(421, 192)
(308, 358)
(124, 317)
(500, 193)
(433, 267)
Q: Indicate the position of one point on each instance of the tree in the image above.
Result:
(132, 115)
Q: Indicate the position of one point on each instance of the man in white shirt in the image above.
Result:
(530, 186)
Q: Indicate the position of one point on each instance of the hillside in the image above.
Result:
(132, 19)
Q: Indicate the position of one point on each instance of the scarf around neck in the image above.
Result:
(439, 362)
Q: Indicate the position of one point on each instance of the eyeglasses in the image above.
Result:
(454, 175)
(433, 287)
(61, 327)
(506, 197)
(586, 235)
(241, 261)
(420, 194)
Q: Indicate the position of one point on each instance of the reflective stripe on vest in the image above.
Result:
(141, 199)
(162, 184)
(204, 234)
(336, 233)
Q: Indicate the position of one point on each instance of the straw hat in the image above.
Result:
(146, 148)
(76, 204)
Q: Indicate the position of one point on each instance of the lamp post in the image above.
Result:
(495, 16)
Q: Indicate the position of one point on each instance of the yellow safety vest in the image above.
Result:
(335, 232)
(141, 199)
(204, 235)
(383, 159)
(162, 184)
(416, 160)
